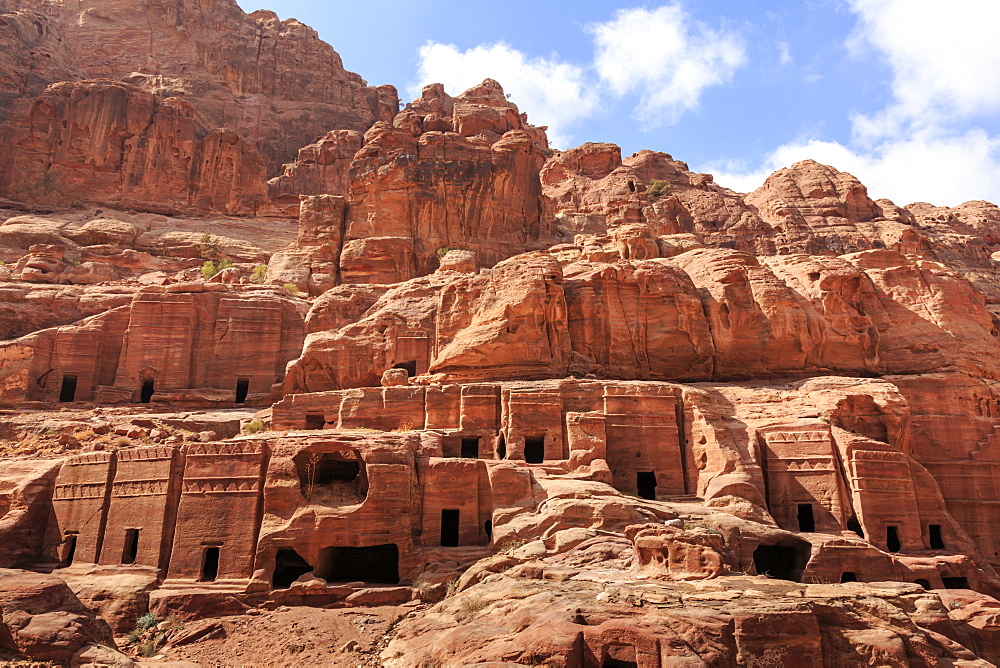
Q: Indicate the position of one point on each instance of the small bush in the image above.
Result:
(122, 442)
(146, 622)
(210, 247)
(148, 648)
(658, 188)
(208, 270)
(259, 274)
(255, 427)
(292, 289)
(226, 263)
(441, 252)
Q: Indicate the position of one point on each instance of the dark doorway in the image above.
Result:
(923, 583)
(645, 482)
(784, 562)
(410, 367)
(449, 528)
(955, 583)
(892, 538)
(848, 576)
(534, 449)
(631, 186)
(806, 520)
(146, 393)
(618, 663)
(68, 391)
(854, 525)
(315, 421)
(378, 564)
(470, 448)
(210, 564)
(242, 389)
(936, 541)
(288, 567)
(488, 528)
(501, 447)
(131, 549)
(69, 550)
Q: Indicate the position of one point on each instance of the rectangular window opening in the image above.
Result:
(67, 393)
(892, 539)
(210, 564)
(146, 393)
(242, 389)
(936, 540)
(315, 421)
(645, 482)
(470, 448)
(131, 549)
(807, 522)
(449, 528)
(534, 449)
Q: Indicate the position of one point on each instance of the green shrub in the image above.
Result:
(292, 289)
(147, 621)
(259, 274)
(255, 427)
(658, 188)
(441, 252)
(210, 247)
(208, 270)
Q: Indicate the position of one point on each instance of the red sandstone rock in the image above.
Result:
(104, 141)
(271, 81)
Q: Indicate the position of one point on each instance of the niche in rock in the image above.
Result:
(210, 564)
(242, 389)
(783, 561)
(534, 449)
(131, 548)
(146, 391)
(67, 392)
(807, 522)
(410, 367)
(470, 448)
(336, 478)
(645, 482)
(288, 567)
(378, 564)
(69, 550)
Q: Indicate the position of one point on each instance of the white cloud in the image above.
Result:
(553, 92)
(921, 146)
(928, 166)
(665, 57)
(944, 56)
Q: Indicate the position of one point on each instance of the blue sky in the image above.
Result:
(904, 94)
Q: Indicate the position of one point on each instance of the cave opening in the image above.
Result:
(784, 561)
(146, 391)
(242, 389)
(934, 533)
(210, 564)
(848, 576)
(854, 525)
(923, 583)
(645, 482)
(470, 448)
(315, 421)
(955, 583)
(807, 521)
(289, 566)
(892, 538)
(534, 449)
(377, 564)
(69, 550)
(131, 548)
(410, 367)
(501, 447)
(333, 478)
(449, 527)
(67, 392)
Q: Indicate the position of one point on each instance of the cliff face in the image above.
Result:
(594, 410)
(273, 82)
